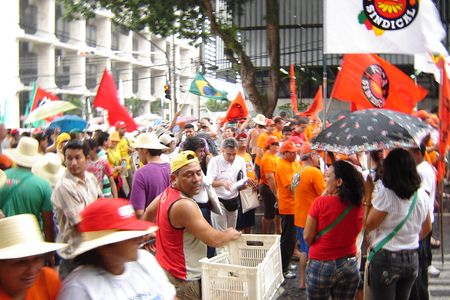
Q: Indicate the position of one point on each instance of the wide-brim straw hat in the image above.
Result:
(26, 154)
(148, 140)
(260, 119)
(22, 237)
(50, 168)
(2, 178)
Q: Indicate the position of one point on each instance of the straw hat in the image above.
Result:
(2, 178)
(260, 119)
(109, 221)
(21, 237)
(26, 154)
(51, 168)
(166, 139)
(148, 140)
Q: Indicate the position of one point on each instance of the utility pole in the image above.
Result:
(174, 79)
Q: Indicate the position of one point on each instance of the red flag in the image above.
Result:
(107, 98)
(293, 87)
(444, 118)
(316, 105)
(237, 109)
(39, 96)
(371, 82)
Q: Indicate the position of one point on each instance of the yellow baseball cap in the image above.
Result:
(183, 158)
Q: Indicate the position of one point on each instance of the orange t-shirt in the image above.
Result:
(283, 177)
(249, 166)
(278, 134)
(308, 184)
(45, 287)
(309, 132)
(261, 143)
(268, 165)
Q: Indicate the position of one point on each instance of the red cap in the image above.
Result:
(241, 135)
(270, 140)
(110, 214)
(120, 124)
(296, 140)
(289, 146)
(14, 131)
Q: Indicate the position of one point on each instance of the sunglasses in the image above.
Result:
(275, 144)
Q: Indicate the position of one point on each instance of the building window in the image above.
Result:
(62, 26)
(91, 33)
(28, 64)
(91, 75)
(135, 47)
(116, 75)
(62, 69)
(24, 99)
(115, 37)
(28, 17)
(135, 81)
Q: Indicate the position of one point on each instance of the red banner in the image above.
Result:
(237, 110)
(293, 86)
(316, 105)
(444, 118)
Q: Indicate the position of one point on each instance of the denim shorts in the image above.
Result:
(336, 278)
(302, 245)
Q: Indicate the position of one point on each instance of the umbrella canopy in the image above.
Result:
(186, 119)
(372, 129)
(69, 123)
(49, 109)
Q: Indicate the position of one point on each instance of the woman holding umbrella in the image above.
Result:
(397, 217)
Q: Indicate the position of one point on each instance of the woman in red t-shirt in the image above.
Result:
(332, 267)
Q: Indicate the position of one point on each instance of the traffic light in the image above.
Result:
(167, 91)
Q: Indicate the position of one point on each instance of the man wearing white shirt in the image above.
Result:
(223, 169)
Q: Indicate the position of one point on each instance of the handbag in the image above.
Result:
(393, 232)
(249, 199)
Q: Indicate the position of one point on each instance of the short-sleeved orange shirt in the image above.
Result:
(268, 165)
(283, 177)
(45, 287)
(261, 143)
(309, 185)
(278, 134)
(249, 166)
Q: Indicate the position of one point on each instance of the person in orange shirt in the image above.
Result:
(22, 255)
(261, 144)
(286, 167)
(267, 185)
(308, 183)
(246, 220)
(278, 126)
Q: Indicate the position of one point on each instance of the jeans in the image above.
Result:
(336, 278)
(392, 274)
(287, 240)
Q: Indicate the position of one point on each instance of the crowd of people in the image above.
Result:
(113, 215)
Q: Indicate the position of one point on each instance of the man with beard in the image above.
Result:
(183, 233)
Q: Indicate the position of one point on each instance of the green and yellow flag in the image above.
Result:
(201, 87)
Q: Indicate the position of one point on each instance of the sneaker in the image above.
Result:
(289, 275)
(433, 271)
(292, 267)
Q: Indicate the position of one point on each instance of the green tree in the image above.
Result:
(135, 105)
(217, 105)
(187, 19)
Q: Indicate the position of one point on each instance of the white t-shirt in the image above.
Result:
(408, 237)
(220, 169)
(143, 279)
(428, 177)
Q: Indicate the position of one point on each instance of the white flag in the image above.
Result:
(382, 26)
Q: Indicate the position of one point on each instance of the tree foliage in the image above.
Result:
(217, 105)
(195, 20)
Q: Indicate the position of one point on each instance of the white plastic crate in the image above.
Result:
(250, 269)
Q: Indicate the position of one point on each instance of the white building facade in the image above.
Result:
(67, 58)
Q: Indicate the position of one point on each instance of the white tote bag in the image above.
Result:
(249, 199)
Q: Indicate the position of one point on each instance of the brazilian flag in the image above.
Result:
(201, 87)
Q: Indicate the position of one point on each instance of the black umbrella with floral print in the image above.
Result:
(372, 129)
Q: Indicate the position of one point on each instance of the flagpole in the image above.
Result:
(325, 98)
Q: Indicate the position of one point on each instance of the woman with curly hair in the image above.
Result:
(397, 217)
(332, 226)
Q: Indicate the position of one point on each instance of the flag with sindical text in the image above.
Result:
(382, 26)
(201, 87)
(368, 81)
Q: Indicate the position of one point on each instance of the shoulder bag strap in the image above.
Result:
(337, 221)
(13, 189)
(394, 232)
